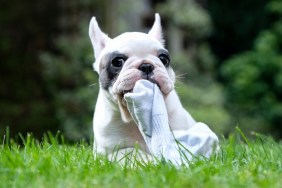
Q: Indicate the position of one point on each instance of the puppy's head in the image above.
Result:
(122, 61)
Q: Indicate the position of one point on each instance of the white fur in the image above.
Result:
(156, 30)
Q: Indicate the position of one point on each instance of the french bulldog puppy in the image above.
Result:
(120, 63)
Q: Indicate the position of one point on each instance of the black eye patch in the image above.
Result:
(113, 63)
(116, 61)
(163, 55)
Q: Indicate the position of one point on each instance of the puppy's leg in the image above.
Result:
(179, 118)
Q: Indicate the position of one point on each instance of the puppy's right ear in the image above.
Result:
(98, 38)
(156, 30)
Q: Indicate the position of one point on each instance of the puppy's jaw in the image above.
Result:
(125, 115)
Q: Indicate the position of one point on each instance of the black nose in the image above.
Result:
(146, 68)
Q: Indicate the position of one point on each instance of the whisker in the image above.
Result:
(181, 75)
(100, 81)
(91, 85)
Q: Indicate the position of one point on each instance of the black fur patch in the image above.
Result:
(165, 52)
(108, 72)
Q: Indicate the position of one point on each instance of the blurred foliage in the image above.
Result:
(45, 56)
(236, 25)
(188, 15)
(69, 75)
(27, 27)
(254, 79)
(73, 84)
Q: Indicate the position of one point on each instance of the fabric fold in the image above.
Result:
(147, 107)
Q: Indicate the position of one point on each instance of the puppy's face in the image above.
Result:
(132, 56)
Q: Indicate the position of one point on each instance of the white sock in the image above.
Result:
(147, 107)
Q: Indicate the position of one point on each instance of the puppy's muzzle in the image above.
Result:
(146, 69)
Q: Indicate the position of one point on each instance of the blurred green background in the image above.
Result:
(227, 56)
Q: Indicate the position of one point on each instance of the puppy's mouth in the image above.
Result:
(123, 92)
(126, 91)
(154, 81)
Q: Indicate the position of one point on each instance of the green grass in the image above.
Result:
(46, 163)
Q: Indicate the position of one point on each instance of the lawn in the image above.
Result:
(52, 163)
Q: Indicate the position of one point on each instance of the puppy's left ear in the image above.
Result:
(156, 30)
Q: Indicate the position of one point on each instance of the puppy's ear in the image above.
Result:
(156, 30)
(98, 38)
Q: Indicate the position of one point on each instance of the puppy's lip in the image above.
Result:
(154, 81)
(122, 93)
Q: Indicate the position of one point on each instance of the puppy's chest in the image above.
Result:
(122, 135)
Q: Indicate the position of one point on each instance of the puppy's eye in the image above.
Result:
(118, 61)
(164, 59)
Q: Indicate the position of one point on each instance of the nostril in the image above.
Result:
(146, 68)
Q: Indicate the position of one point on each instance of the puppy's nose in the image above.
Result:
(146, 68)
